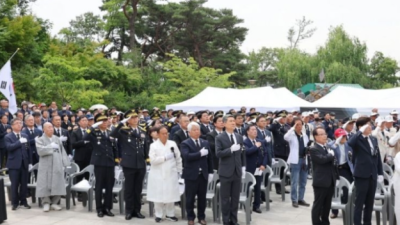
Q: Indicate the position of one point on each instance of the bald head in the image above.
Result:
(48, 129)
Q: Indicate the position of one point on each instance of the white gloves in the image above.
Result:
(147, 168)
(86, 142)
(268, 138)
(337, 142)
(210, 177)
(54, 145)
(235, 147)
(203, 152)
(274, 161)
(169, 156)
(125, 120)
(179, 175)
(70, 157)
(97, 124)
(23, 140)
(30, 167)
(330, 151)
(380, 178)
(243, 172)
(363, 128)
(337, 182)
(63, 138)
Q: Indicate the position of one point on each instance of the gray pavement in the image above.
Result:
(281, 213)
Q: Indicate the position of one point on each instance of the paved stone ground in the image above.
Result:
(281, 213)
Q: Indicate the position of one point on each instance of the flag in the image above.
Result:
(321, 76)
(7, 87)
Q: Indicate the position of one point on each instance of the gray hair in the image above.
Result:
(225, 118)
(27, 117)
(191, 125)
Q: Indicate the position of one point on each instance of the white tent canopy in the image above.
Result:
(263, 99)
(363, 100)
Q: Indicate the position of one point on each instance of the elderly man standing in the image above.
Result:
(53, 158)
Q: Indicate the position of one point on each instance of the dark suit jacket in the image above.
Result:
(194, 161)
(328, 125)
(83, 151)
(324, 170)
(3, 133)
(67, 144)
(255, 157)
(242, 131)
(211, 141)
(174, 129)
(179, 137)
(18, 153)
(269, 145)
(229, 161)
(205, 131)
(31, 140)
(365, 164)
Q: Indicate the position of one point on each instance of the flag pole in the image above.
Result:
(12, 56)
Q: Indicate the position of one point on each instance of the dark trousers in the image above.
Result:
(82, 165)
(346, 173)
(230, 193)
(104, 180)
(322, 205)
(19, 185)
(3, 158)
(133, 189)
(257, 192)
(365, 195)
(278, 186)
(195, 188)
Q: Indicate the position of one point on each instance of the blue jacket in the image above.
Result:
(18, 153)
(31, 140)
(347, 150)
(268, 145)
(194, 161)
(256, 157)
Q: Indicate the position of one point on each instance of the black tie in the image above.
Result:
(325, 149)
(187, 133)
(105, 133)
(197, 144)
(263, 133)
(18, 136)
(232, 141)
(254, 142)
(239, 131)
(208, 128)
(31, 132)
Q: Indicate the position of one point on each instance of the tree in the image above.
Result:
(302, 32)
(86, 27)
(262, 66)
(384, 69)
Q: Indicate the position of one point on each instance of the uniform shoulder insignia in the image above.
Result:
(88, 131)
(96, 129)
(143, 128)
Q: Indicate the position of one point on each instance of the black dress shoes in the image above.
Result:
(25, 206)
(100, 214)
(14, 207)
(257, 210)
(107, 212)
(128, 216)
(138, 215)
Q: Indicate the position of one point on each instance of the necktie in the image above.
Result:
(31, 132)
(105, 133)
(263, 133)
(197, 144)
(18, 136)
(187, 133)
(254, 142)
(232, 141)
(83, 132)
(325, 149)
(208, 128)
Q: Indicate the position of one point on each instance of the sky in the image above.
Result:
(377, 23)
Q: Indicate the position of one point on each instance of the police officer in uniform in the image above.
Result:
(132, 153)
(104, 155)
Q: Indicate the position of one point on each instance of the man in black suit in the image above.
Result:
(198, 171)
(4, 130)
(18, 163)
(132, 156)
(103, 158)
(204, 121)
(83, 149)
(63, 134)
(219, 128)
(239, 120)
(175, 127)
(325, 176)
(32, 133)
(367, 169)
(182, 134)
(232, 168)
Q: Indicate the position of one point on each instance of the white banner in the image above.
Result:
(7, 87)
